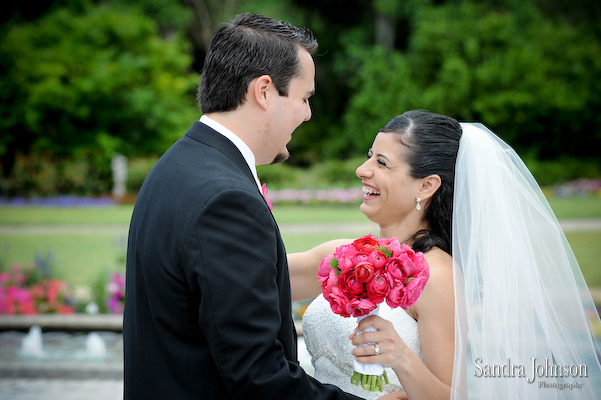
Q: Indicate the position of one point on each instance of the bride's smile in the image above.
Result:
(389, 189)
(369, 191)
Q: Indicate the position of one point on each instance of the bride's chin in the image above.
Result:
(365, 210)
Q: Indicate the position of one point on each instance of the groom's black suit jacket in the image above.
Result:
(208, 308)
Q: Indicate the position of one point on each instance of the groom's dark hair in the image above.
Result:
(430, 145)
(250, 46)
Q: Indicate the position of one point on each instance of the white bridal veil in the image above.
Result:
(524, 314)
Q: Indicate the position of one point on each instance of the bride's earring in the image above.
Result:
(418, 206)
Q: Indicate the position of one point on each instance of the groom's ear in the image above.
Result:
(430, 185)
(260, 89)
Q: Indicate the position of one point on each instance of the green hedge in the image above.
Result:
(565, 169)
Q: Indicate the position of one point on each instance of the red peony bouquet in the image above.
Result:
(361, 275)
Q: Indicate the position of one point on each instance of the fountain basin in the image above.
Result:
(66, 355)
(73, 322)
(72, 347)
(67, 351)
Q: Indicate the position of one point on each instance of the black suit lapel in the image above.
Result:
(207, 135)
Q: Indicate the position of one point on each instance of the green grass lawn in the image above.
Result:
(585, 207)
(81, 256)
(77, 258)
(587, 249)
(65, 215)
(579, 207)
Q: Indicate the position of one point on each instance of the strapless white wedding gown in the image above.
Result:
(326, 337)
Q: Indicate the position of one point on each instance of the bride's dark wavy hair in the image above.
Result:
(430, 145)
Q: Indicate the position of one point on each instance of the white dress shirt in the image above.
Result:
(247, 153)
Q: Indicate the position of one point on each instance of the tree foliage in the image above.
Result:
(98, 82)
(533, 80)
(85, 79)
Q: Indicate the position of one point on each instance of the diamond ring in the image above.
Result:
(377, 351)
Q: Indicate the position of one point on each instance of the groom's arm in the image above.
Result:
(232, 257)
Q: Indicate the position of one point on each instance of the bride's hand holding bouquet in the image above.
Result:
(360, 276)
(392, 350)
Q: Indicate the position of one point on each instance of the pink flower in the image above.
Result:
(64, 309)
(366, 244)
(116, 290)
(347, 256)
(359, 307)
(16, 300)
(395, 296)
(408, 274)
(112, 287)
(119, 279)
(378, 288)
(116, 305)
(395, 271)
(378, 259)
(360, 257)
(338, 301)
(413, 263)
(391, 244)
(53, 288)
(325, 268)
(364, 271)
(413, 290)
(349, 283)
(264, 192)
(332, 279)
(22, 293)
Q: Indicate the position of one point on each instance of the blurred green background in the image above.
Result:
(82, 81)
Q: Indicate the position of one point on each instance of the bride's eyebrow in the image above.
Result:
(383, 156)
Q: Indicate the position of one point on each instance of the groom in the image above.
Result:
(208, 309)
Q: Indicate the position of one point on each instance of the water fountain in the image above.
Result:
(95, 346)
(75, 355)
(32, 343)
(61, 354)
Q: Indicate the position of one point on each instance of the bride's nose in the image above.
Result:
(363, 171)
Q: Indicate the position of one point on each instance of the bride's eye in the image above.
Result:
(381, 163)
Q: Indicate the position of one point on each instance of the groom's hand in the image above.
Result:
(395, 396)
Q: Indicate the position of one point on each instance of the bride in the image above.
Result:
(507, 316)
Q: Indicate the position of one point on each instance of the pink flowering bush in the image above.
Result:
(316, 196)
(22, 292)
(116, 293)
(578, 188)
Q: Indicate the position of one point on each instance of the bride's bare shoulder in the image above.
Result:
(441, 273)
(439, 259)
(438, 296)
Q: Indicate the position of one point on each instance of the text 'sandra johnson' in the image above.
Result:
(546, 369)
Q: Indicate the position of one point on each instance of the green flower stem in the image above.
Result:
(372, 383)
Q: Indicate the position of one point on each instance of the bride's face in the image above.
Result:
(389, 190)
